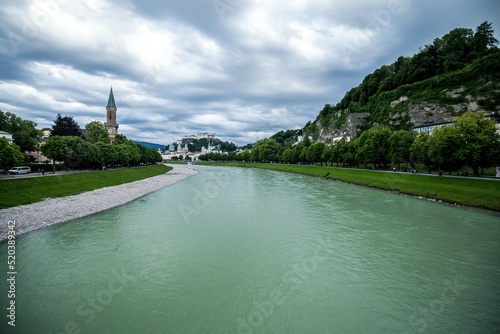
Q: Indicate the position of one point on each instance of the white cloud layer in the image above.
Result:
(244, 70)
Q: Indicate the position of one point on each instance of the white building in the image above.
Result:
(6, 135)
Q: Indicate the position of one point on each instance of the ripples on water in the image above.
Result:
(263, 252)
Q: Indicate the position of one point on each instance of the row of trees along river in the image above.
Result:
(472, 140)
(67, 144)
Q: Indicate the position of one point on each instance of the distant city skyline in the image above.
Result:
(241, 69)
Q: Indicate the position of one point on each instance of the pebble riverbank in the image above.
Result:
(52, 211)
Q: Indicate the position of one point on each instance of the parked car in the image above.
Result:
(20, 170)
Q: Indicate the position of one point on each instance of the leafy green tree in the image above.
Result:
(265, 150)
(96, 132)
(455, 49)
(78, 153)
(65, 126)
(400, 143)
(10, 154)
(109, 154)
(443, 148)
(327, 155)
(122, 154)
(133, 151)
(119, 139)
(287, 155)
(340, 149)
(419, 151)
(484, 37)
(477, 139)
(315, 153)
(303, 154)
(349, 153)
(24, 132)
(374, 146)
(297, 150)
(55, 148)
(244, 156)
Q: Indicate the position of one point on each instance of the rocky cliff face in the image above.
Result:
(419, 114)
(425, 113)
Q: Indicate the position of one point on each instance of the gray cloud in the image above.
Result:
(244, 70)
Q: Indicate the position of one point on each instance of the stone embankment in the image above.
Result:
(52, 211)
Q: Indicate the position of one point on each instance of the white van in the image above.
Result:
(20, 170)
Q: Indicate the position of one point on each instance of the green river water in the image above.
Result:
(234, 250)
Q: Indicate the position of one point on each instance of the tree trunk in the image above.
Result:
(475, 168)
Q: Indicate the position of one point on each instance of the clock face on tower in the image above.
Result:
(110, 130)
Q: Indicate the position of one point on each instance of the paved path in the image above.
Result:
(420, 173)
(60, 172)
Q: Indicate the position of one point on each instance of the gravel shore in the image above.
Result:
(52, 211)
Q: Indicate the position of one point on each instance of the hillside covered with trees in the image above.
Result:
(456, 79)
(461, 67)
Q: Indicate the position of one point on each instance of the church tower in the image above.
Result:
(111, 124)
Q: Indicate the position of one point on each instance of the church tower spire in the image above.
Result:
(111, 124)
(111, 99)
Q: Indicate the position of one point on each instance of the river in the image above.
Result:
(233, 250)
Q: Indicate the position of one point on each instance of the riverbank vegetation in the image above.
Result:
(77, 152)
(34, 189)
(471, 141)
(461, 65)
(463, 191)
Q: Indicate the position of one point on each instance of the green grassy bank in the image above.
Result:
(21, 191)
(463, 191)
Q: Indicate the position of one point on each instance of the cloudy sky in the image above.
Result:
(243, 69)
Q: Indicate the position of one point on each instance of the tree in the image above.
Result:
(119, 139)
(339, 150)
(96, 132)
(10, 154)
(327, 155)
(244, 156)
(56, 149)
(483, 38)
(303, 154)
(287, 155)
(477, 139)
(265, 150)
(443, 148)
(122, 154)
(80, 153)
(455, 49)
(24, 132)
(108, 152)
(349, 153)
(419, 151)
(65, 126)
(315, 152)
(400, 144)
(373, 146)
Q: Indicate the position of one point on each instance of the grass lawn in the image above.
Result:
(14, 192)
(174, 162)
(463, 191)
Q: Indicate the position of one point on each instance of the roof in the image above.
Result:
(111, 100)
